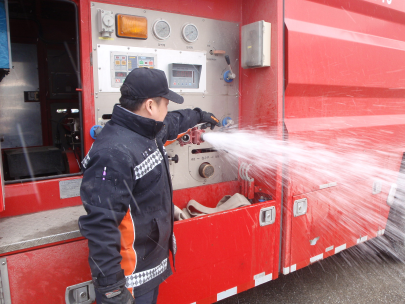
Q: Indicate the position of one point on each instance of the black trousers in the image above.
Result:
(148, 298)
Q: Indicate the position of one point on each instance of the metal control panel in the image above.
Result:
(186, 49)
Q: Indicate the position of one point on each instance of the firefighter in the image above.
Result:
(127, 192)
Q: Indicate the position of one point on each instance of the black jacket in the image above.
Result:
(127, 193)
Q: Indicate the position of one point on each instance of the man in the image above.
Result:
(127, 192)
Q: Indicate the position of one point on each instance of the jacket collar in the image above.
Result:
(143, 126)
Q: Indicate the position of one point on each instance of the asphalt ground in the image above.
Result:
(361, 274)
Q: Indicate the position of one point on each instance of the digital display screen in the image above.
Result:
(120, 74)
(179, 73)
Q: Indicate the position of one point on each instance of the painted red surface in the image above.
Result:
(36, 196)
(261, 101)
(344, 81)
(220, 252)
(41, 276)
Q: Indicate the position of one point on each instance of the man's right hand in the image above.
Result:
(208, 118)
(113, 294)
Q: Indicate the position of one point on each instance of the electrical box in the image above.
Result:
(105, 22)
(256, 43)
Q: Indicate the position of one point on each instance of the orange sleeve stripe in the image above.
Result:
(128, 253)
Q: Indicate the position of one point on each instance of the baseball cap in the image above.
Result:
(142, 83)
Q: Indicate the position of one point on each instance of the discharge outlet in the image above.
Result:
(206, 170)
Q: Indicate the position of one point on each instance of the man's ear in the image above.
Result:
(149, 106)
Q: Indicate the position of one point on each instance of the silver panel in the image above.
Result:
(217, 96)
(31, 230)
(69, 188)
(5, 296)
(14, 111)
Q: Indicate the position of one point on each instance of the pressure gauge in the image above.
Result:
(190, 32)
(161, 29)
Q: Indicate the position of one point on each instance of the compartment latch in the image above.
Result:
(267, 216)
(300, 207)
(82, 293)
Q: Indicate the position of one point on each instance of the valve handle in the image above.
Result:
(228, 61)
(174, 158)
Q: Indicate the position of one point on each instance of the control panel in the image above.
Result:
(123, 63)
(200, 58)
(184, 76)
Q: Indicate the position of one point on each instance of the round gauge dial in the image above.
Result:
(190, 32)
(161, 29)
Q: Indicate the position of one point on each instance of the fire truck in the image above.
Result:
(322, 71)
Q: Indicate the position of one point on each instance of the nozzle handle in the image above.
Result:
(228, 61)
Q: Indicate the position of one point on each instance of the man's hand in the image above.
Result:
(113, 294)
(208, 118)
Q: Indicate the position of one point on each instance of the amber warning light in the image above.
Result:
(132, 26)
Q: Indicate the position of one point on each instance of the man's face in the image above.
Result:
(159, 110)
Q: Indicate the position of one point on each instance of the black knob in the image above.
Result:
(206, 170)
(228, 61)
(174, 158)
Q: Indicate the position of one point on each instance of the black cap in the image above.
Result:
(145, 83)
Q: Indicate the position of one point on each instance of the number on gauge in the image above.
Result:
(190, 32)
(161, 29)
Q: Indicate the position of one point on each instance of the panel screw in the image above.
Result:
(3, 263)
(144, 11)
(102, 11)
(92, 4)
(83, 294)
(98, 45)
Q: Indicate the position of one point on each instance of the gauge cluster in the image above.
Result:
(161, 30)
